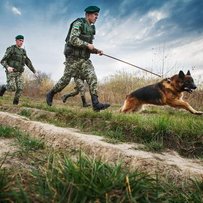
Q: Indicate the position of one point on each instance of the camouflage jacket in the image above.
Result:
(80, 34)
(16, 58)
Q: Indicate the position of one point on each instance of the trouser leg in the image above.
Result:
(19, 88)
(62, 83)
(71, 94)
(91, 78)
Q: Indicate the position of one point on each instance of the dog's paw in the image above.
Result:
(199, 112)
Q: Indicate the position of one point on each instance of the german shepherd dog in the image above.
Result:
(169, 91)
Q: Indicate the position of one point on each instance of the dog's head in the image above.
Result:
(182, 82)
(185, 82)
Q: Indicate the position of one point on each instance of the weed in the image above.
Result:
(27, 143)
(26, 112)
(8, 132)
(154, 146)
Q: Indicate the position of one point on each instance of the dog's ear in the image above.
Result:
(181, 75)
(188, 73)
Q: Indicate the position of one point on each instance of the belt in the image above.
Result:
(16, 71)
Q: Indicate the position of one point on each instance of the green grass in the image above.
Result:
(6, 132)
(8, 177)
(26, 112)
(28, 143)
(25, 142)
(164, 128)
(87, 180)
(157, 128)
(54, 175)
(11, 190)
(83, 179)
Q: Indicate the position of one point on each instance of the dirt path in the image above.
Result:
(6, 146)
(168, 163)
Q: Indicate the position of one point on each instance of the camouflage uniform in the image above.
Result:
(79, 88)
(16, 58)
(78, 64)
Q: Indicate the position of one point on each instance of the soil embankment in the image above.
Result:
(167, 163)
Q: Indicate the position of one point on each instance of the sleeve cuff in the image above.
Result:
(85, 43)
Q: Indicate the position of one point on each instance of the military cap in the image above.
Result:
(92, 9)
(19, 37)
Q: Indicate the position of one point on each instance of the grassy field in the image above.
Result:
(157, 128)
(42, 174)
(45, 175)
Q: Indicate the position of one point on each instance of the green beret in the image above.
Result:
(19, 37)
(92, 9)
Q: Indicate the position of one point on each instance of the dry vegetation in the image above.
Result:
(113, 89)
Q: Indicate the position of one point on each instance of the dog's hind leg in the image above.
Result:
(124, 107)
(130, 105)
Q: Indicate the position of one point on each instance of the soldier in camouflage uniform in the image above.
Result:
(14, 61)
(77, 50)
(79, 88)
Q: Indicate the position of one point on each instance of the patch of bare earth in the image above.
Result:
(167, 163)
(7, 148)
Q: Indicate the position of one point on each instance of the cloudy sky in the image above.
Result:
(162, 36)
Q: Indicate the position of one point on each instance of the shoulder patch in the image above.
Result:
(77, 24)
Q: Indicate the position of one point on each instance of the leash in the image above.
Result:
(131, 65)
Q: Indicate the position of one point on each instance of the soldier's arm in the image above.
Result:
(29, 64)
(6, 57)
(74, 35)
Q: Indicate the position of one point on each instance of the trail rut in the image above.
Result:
(168, 163)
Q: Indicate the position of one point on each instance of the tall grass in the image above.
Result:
(55, 177)
(87, 180)
(7, 194)
(60, 179)
(115, 87)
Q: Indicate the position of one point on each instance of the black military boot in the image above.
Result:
(66, 96)
(96, 105)
(2, 90)
(49, 97)
(15, 101)
(84, 102)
